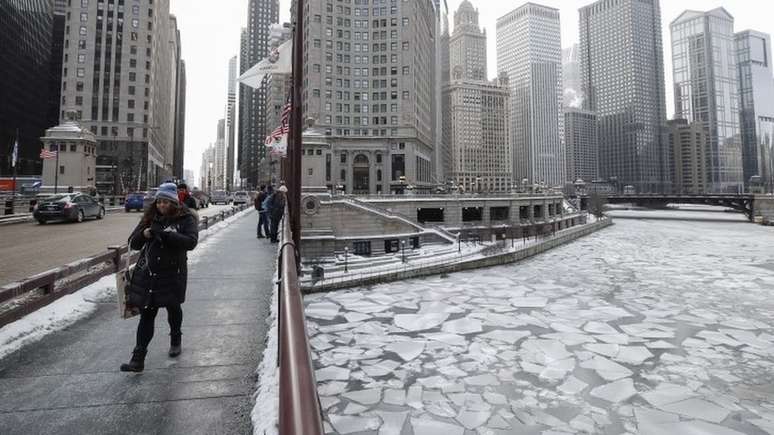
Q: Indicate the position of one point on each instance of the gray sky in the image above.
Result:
(210, 36)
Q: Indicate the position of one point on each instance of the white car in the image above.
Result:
(241, 197)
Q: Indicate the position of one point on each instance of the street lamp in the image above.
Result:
(346, 257)
(403, 244)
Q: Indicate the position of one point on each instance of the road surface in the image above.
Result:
(30, 248)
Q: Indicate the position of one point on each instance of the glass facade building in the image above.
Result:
(622, 74)
(706, 90)
(529, 51)
(26, 32)
(756, 105)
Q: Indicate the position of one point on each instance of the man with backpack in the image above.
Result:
(277, 210)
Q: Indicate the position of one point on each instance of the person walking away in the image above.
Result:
(166, 232)
(185, 197)
(277, 210)
(266, 204)
(263, 221)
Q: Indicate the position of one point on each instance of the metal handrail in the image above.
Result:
(299, 406)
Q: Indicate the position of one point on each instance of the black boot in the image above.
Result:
(175, 345)
(137, 363)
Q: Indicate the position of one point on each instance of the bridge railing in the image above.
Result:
(299, 405)
(20, 298)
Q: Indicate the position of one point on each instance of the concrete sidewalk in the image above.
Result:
(69, 382)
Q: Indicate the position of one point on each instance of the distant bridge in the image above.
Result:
(744, 203)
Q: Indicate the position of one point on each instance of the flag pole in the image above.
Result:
(56, 170)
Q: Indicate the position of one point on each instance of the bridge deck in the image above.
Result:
(69, 382)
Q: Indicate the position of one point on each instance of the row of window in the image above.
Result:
(89, 150)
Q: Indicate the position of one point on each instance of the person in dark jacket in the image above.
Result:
(185, 197)
(276, 210)
(263, 219)
(165, 234)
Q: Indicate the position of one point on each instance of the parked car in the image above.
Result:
(220, 196)
(149, 198)
(202, 199)
(73, 207)
(135, 201)
(241, 197)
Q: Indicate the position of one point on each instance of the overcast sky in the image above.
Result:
(210, 36)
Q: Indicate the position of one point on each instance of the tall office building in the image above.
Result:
(706, 90)
(467, 45)
(24, 80)
(57, 55)
(244, 96)
(370, 86)
(688, 142)
(622, 70)
(580, 138)
(219, 163)
(207, 170)
(231, 123)
(261, 15)
(529, 51)
(120, 75)
(442, 157)
(179, 153)
(476, 123)
(756, 105)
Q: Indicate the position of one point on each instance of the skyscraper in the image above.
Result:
(571, 77)
(231, 122)
(261, 14)
(706, 90)
(580, 138)
(441, 160)
(622, 71)
(180, 121)
(24, 75)
(688, 142)
(278, 88)
(756, 105)
(219, 164)
(120, 75)
(529, 51)
(476, 123)
(370, 86)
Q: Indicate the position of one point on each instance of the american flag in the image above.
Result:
(46, 154)
(284, 127)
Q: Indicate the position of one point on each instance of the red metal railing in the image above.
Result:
(299, 406)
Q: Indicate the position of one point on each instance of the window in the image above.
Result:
(82, 30)
(82, 44)
(80, 72)
(135, 23)
(498, 213)
(343, 158)
(73, 148)
(61, 170)
(471, 214)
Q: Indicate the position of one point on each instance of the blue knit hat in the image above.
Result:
(168, 191)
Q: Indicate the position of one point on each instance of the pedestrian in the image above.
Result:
(266, 204)
(277, 209)
(263, 218)
(185, 197)
(167, 230)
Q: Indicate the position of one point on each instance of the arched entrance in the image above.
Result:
(361, 175)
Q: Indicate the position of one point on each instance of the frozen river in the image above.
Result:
(650, 326)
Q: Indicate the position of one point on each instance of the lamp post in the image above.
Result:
(346, 258)
(403, 245)
(459, 242)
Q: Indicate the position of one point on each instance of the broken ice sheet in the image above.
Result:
(696, 427)
(633, 354)
(426, 426)
(472, 419)
(615, 392)
(464, 325)
(507, 336)
(599, 328)
(481, 380)
(419, 322)
(348, 424)
(406, 350)
(331, 373)
(667, 393)
(529, 302)
(366, 397)
(606, 369)
(381, 368)
(572, 386)
(394, 397)
(322, 310)
(697, 408)
(392, 422)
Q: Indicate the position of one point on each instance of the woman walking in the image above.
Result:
(166, 232)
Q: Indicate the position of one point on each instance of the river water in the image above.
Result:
(661, 324)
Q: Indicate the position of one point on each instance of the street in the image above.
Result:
(29, 248)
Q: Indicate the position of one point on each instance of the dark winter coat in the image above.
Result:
(277, 205)
(190, 202)
(259, 201)
(161, 274)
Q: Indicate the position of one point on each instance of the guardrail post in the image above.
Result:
(205, 221)
(33, 203)
(9, 206)
(112, 200)
(117, 258)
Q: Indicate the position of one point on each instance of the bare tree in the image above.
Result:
(597, 204)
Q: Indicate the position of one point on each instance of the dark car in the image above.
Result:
(135, 201)
(73, 207)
